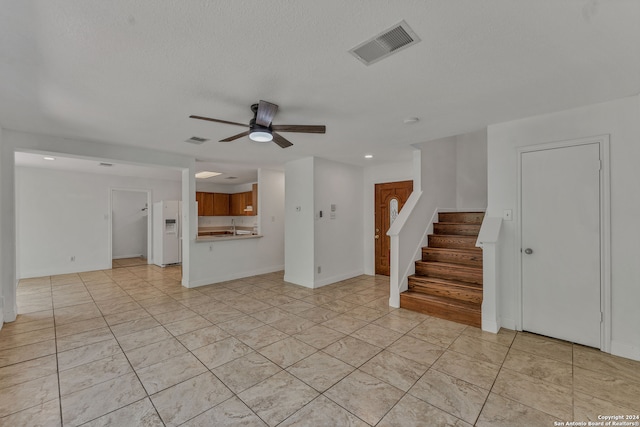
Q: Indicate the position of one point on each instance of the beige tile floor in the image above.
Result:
(130, 346)
(128, 262)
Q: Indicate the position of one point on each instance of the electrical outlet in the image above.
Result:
(210, 247)
(319, 269)
(72, 258)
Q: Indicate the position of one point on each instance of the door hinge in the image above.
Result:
(599, 165)
(601, 317)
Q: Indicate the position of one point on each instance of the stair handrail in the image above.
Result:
(411, 218)
(488, 240)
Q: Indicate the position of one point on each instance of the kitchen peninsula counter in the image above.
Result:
(212, 234)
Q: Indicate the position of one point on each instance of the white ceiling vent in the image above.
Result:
(196, 140)
(389, 41)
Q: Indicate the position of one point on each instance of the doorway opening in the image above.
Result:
(130, 234)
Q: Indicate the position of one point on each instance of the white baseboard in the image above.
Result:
(625, 350)
(7, 314)
(337, 278)
(507, 323)
(242, 275)
(296, 281)
(490, 326)
(128, 256)
(64, 270)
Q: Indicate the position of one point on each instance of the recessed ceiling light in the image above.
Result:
(411, 120)
(207, 174)
(49, 158)
(368, 156)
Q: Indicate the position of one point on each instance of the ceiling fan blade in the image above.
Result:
(219, 121)
(300, 128)
(281, 141)
(266, 111)
(234, 137)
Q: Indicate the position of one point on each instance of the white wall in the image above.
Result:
(338, 237)
(299, 227)
(621, 120)
(218, 261)
(129, 224)
(8, 278)
(436, 189)
(64, 214)
(471, 171)
(373, 175)
(212, 187)
(333, 244)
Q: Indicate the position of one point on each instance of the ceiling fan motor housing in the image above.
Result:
(259, 133)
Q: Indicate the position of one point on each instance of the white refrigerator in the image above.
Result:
(167, 233)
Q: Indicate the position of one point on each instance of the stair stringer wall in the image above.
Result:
(434, 169)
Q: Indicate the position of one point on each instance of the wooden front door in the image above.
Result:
(390, 197)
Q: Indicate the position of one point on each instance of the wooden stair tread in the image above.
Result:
(450, 265)
(457, 256)
(456, 236)
(442, 300)
(465, 217)
(448, 279)
(462, 251)
(447, 282)
(446, 308)
(449, 288)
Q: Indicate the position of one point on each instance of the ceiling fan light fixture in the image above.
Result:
(260, 136)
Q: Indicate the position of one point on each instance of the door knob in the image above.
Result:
(377, 236)
(528, 251)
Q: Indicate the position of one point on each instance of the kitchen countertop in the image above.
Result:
(215, 233)
(224, 237)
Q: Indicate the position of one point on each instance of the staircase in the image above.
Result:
(448, 279)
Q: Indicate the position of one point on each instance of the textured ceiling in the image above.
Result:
(132, 71)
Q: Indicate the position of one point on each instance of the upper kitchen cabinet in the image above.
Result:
(238, 201)
(254, 199)
(208, 204)
(221, 204)
(200, 201)
(225, 204)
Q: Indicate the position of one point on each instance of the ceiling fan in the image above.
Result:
(262, 130)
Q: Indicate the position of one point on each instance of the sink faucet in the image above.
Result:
(233, 225)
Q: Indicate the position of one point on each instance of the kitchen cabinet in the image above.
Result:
(224, 204)
(254, 199)
(221, 204)
(200, 200)
(208, 204)
(237, 204)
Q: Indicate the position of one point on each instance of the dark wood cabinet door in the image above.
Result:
(200, 200)
(221, 204)
(208, 204)
(237, 204)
